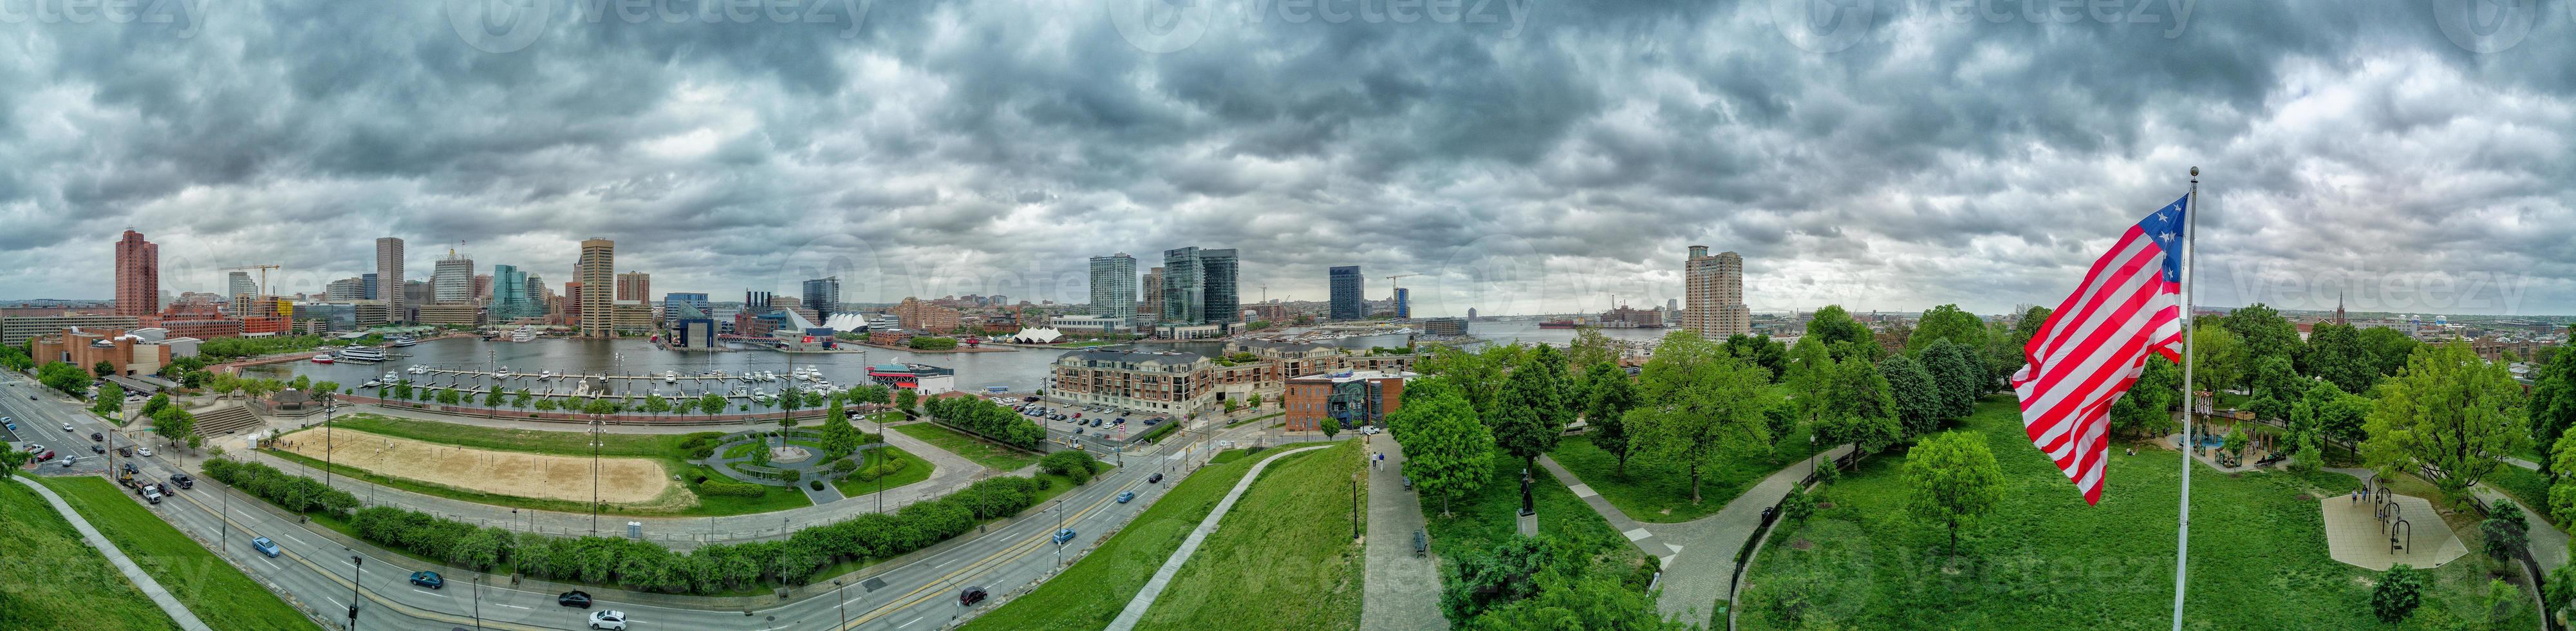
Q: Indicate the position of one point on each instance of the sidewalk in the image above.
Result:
(1403, 590)
(1135, 611)
(1698, 555)
(151, 588)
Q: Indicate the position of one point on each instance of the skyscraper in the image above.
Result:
(1715, 286)
(367, 287)
(1113, 284)
(1153, 297)
(1350, 291)
(597, 270)
(823, 295)
(138, 276)
(389, 277)
(238, 284)
(511, 299)
(1199, 287)
(1403, 303)
(634, 286)
(452, 280)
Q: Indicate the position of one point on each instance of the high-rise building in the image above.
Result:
(1153, 296)
(597, 270)
(634, 286)
(1403, 303)
(367, 283)
(452, 280)
(1198, 286)
(511, 299)
(755, 302)
(1113, 284)
(483, 288)
(690, 302)
(1715, 286)
(346, 289)
(823, 295)
(241, 292)
(572, 303)
(389, 276)
(138, 276)
(1350, 291)
(1471, 314)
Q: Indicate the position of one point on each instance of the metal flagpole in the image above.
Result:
(2182, 550)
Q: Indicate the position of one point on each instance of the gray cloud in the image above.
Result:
(991, 147)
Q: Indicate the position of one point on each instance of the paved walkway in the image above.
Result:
(2548, 543)
(949, 472)
(151, 588)
(1135, 611)
(1698, 555)
(1403, 590)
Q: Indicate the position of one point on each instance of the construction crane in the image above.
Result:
(263, 274)
(1391, 284)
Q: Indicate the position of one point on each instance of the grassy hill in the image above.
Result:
(1286, 546)
(1089, 594)
(216, 591)
(59, 581)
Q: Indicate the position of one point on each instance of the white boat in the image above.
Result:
(503, 373)
(390, 377)
(363, 353)
(741, 390)
(324, 358)
(670, 376)
(524, 334)
(542, 376)
(404, 340)
(371, 383)
(417, 369)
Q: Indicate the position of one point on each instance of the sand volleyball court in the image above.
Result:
(621, 480)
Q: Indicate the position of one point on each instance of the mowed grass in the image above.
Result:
(1656, 490)
(915, 470)
(214, 590)
(55, 580)
(2529, 489)
(535, 441)
(2045, 560)
(1089, 594)
(1282, 558)
(1491, 514)
(982, 452)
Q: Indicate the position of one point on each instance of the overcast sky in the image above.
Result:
(1522, 155)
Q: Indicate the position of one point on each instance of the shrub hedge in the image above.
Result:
(292, 492)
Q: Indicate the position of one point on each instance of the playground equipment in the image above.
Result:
(2394, 543)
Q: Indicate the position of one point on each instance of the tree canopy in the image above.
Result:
(2336, 354)
(1961, 375)
(1953, 480)
(1608, 396)
(1446, 450)
(1832, 325)
(2148, 409)
(1859, 410)
(1916, 397)
(1947, 323)
(2264, 332)
(2450, 411)
(2553, 404)
(1534, 409)
(2219, 359)
(1700, 404)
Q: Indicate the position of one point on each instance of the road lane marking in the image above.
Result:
(430, 593)
(510, 606)
(915, 620)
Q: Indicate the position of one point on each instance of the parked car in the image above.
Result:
(33, 447)
(264, 546)
(1063, 535)
(183, 480)
(610, 619)
(1154, 479)
(574, 598)
(970, 596)
(428, 579)
(1127, 495)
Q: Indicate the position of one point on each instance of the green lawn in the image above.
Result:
(917, 471)
(1492, 513)
(1089, 594)
(1659, 491)
(215, 591)
(982, 452)
(2527, 487)
(2045, 560)
(61, 583)
(1285, 551)
(558, 443)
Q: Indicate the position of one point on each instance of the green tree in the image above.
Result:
(1608, 396)
(1534, 410)
(110, 402)
(1447, 451)
(2400, 590)
(492, 396)
(1810, 379)
(2005, 350)
(1332, 428)
(655, 404)
(449, 396)
(1254, 401)
(2336, 353)
(1591, 347)
(2388, 348)
(2553, 405)
(1957, 371)
(906, 399)
(1916, 397)
(839, 438)
(1074, 465)
(301, 383)
(521, 399)
(153, 405)
(174, 424)
(1948, 323)
(1762, 351)
(1478, 375)
(1700, 404)
(103, 370)
(2148, 408)
(1832, 325)
(712, 404)
(547, 404)
(2264, 332)
(402, 389)
(2276, 387)
(2220, 358)
(1860, 409)
(1953, 480)
(2449, 411)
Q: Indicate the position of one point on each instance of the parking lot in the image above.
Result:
(1095, 424)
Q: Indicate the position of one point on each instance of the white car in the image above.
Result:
(608, 619)
(144, 452)
(67, 427)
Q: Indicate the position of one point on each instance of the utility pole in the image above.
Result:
(356, 572)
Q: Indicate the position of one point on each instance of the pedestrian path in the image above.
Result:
(1135, 611)
(151, 588)
(1698, 555)
(1403, 589)
(2548, 543)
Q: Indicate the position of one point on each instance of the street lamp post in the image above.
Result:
(594, 477)
(1355, 505)
(478, 602)
(326, 445)
(841, 593)
(1813, 464)
(357, 571)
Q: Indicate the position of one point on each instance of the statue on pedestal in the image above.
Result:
(1527, 507)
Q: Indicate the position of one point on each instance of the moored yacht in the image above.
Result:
(362, 353)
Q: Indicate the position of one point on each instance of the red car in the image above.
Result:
(49, 455)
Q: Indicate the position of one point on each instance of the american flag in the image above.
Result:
(2096, 343)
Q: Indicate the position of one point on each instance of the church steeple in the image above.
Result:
(2339, 307)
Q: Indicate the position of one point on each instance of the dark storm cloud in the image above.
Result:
(1546, 160)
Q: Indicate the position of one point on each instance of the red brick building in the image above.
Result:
(1355, 398)
(86, 348)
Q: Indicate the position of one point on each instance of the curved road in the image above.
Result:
(318, 574)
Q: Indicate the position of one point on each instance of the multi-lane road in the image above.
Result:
(317, 572)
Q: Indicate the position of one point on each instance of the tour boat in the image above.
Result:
(524, 334)
(404, 340)
(324, 358)
(361, 353)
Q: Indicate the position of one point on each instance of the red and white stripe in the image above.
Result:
(2091, 349)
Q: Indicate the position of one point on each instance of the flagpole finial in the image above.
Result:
(2195, 171)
